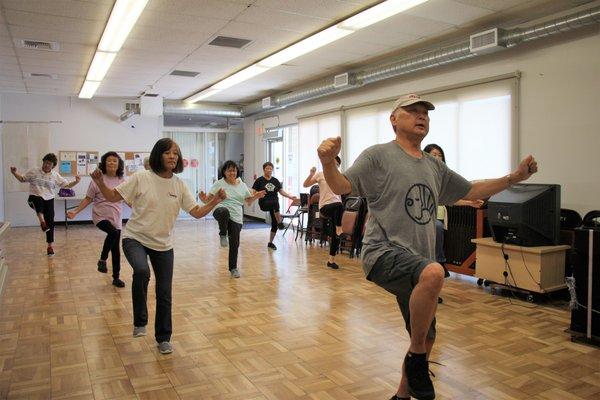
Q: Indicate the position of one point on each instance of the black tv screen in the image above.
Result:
(526, 215)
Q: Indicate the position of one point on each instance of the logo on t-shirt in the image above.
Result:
(420, 203)
(270, 187)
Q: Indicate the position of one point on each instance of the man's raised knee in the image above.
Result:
(433, 275)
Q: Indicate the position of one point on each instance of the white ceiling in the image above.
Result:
(174, 34)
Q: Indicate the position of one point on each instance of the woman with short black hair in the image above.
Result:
(230, 213)
(270, 203)
(106, 215)
(42, 183)
(155, 198)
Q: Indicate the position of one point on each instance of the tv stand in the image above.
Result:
(539, 269)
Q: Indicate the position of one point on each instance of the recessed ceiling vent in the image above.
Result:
(226, 41)
(188, 74)
(40, 75)
(38, 45)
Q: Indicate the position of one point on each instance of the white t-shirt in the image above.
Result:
(155, 204)
(326, 195)
(43, 184)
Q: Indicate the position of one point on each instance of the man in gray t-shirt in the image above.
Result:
(403, 187)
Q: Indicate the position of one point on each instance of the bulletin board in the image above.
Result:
(134, 161)
(71, 163)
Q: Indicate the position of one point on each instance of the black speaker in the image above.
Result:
(585, 322)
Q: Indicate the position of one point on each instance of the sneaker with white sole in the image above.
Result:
(224, 241)
(165, 348)
(139, 331)
(235, 273)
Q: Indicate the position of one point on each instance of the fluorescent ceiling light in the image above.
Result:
(88, 89)
(240, 76)
(202, 95)
(124, 15)
(378, 13)
(350, 25)
(100, 65)
(307, 45)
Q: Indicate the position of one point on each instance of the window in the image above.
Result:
(472, 124)
(312, 131)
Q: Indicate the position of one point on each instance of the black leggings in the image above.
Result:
(334, 212)
(227, 227)
(111, 244)
(274, 222)
(45, 207)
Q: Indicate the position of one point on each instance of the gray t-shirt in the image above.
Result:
(403, 193)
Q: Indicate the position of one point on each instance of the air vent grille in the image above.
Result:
(40, 75)
(189, 74)
(38, 45)
(226, 41)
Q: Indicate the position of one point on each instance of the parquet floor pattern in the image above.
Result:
(288, 329)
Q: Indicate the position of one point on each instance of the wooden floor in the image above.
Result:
(288, 329)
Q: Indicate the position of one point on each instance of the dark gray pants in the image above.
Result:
(228, 227)
(162, 264)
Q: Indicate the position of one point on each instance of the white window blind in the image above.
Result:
(312, 131)
(472, 124)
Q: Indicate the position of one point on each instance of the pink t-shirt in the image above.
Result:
(326, 195)
(102, 209)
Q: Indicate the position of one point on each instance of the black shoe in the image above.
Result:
(271, 246)
(440, 300)
(332, 265)
(118, 283)
(50, 251)
(394, 397)
(281, 225)
(102, 266)
(417, 373)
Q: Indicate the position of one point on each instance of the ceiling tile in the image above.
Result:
(221, 9)
(97, 11)
(282, 20)
(329, 9)
(43, 21)
(448, 11)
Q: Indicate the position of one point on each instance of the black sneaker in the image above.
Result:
(271, 246)
(281, 225)
(118, 283)
(417, 373)
(395, 397)
(332, 265)
(102, 266)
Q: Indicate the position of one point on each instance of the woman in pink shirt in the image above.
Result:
(107, 216)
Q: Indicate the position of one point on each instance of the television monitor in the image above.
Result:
(526, 215)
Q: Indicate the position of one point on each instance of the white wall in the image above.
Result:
(87, 125)
(559, 109)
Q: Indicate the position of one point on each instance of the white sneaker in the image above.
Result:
(165, 348)
(235, 273)
(224, 241)
(139, 331)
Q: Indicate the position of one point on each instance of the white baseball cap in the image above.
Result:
(409, 99)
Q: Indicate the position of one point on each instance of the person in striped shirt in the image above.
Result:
(42, 183)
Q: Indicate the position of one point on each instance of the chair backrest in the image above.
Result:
(314, 189)
(304, 199)
(294, 203)
(349, 221)
(314, 199)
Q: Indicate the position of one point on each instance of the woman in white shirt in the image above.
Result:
(42, 183)
(155, 197)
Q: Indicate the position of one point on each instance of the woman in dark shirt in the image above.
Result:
(270, 203)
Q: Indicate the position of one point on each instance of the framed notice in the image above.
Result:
(72, 163)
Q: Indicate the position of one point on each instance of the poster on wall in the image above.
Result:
(77, 162)
(134, 161)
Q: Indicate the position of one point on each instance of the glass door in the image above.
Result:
(275, 156)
